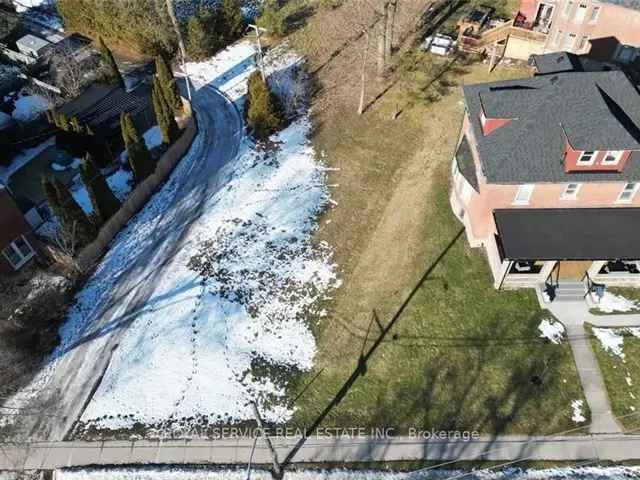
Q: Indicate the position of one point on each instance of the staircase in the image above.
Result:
(570, 292)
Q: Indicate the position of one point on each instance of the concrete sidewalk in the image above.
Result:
(48, 456)
(573, 315)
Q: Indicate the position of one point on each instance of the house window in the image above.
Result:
(581, 13)
(567, 8)
(582, 43)
(18, 252)
(586, 158)
(612, 157)
(628, 192)
(570, 191)
(558, 38)
(594, 14)
(569, 41)
(523, 195)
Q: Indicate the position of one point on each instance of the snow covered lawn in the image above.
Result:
(552, 330)
(183, 473)
(239, 292)
(612, 303)
(228, 321)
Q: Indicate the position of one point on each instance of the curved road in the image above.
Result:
(61, 401)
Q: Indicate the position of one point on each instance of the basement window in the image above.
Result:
(586, 158)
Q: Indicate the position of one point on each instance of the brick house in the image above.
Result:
(546, 177)
(605, 30)
(17, 242)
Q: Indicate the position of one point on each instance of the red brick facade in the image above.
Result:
(12, 225)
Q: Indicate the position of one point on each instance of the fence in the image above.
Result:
(138, 197)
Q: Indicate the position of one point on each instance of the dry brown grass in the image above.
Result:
(392, 219)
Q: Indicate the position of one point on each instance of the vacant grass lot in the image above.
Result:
(463, 356)
(622, 378)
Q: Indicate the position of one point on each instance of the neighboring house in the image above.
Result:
(546, 178)
(100, 107)
(17, 243)
(32, 45)
(605, 30)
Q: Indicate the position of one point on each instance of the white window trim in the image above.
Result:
(633, 193)
(593, 8)
(583, 43)
(570, 41)
(567, 8)
(572, 196)
(557, 39)
(24, 259)
(616, 153)
(580, 10)
(526, 188)
(590, 162)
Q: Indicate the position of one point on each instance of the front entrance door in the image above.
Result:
(571, 270)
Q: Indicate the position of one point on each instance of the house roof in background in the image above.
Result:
(32, 42)
(101, 105)
(592, 110)
(569, 233)
(557, 62)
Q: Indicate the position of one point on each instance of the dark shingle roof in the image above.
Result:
(569, 233)
(594, 110)
(464, 159)
(557, 62)
(633, 4)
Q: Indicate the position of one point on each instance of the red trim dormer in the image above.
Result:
(594, 161)
(490, 124)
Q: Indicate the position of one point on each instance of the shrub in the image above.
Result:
(263, 112)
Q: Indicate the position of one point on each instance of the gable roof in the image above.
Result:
(569, 233)
(556, 62)
(590, 110)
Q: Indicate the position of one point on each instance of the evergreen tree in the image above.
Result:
(72, 218)
(62, 121)
(263, 112)
(198, 41)
(51, 195)
(233, 19)
(111, 72)
(104, 202)
(139, 157)
(273, 19)
(168, 84)
(164, 116)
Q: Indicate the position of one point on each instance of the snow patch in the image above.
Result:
(611, 340)
(184, 473)
(611, 303)
(30, 107)
(551, 330)
(23, 158)
(576, 407)
(120, 183)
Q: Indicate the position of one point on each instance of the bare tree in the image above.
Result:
(382, 11)
(71, 69)
(392, 7)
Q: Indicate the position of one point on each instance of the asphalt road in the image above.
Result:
(60, 402)
(585, 450)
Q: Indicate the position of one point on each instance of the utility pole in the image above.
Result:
(276, 473)
(258, 30)
(183, 53)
